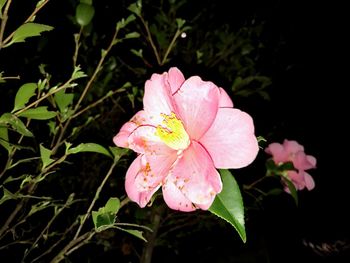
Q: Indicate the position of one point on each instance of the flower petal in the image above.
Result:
(292, 146)
(158, 98)
(301, 161)
(175, 199)
(230, 141)
(121, 139)
(175, 79)
(196, 177)
(144, 140)
(225, 100)
(197, 104)
(309, 181)
(279, 154)
(137, 188)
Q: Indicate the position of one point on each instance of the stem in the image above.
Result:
(151, 241)
(73, 243)
(177, 34)
(77, 46)
(99, 189)
(247, 187)
(12, 77)
(29, 19)
(95, 103)
(150, 39)
(4, 21)
(86, 89)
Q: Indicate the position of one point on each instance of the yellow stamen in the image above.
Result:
(173, 134)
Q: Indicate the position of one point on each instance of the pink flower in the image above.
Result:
(186, 130)
(292, 151)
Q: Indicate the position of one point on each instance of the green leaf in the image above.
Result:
(7, 195)
(2, 3)
(132, 35)
(78, 73)
(88, 2)
(228, 204)
(112, 205)
(8, 119)
(124, 22)
(29, 30)
(118, 152)
(4, 138)
(25, 92)
(84, 14)
(45, 156)
(134, 232)
(136, 8)
(292, 189)
(63, 100)
(89, 147)
(105, 216)
(39, 113)
(180, 22)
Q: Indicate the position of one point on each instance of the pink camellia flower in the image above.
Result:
(186, 130)
(292, 151)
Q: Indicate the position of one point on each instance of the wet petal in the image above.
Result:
(121, 139)
(230, 141)
(197, 103)
(158, 98)
(138, 188)
(196, 177)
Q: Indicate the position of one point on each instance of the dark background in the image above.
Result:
(305, 58)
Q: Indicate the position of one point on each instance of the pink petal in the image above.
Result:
(137, 185)
(175, 199)
(303, 162)
(297, 178)
(144, 140)
(279, 154)
(121, 139)
(196, 177)
(230, 141)
(292, 146)
(175, 79)
(197, 104)
(309, 181)
(158, 98)
(225, 100)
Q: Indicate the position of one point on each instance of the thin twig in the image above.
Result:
(4, 21)
(150, 39)
(172, 43)
(98, 191)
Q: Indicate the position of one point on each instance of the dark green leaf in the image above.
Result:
(132, 35)
(228, 204)
(7, 195)
(29, 30)
(4, 138)
(39, 113)
(292, 189)
(23, 95)
(84, 14)
(118, 152)
(8, 119)
(89, 147)
(134, 232)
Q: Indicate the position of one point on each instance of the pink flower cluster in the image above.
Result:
(292, 151)
(186, 130)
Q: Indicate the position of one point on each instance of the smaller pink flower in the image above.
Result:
(292, 151)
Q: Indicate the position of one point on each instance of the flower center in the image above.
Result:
(173, 134)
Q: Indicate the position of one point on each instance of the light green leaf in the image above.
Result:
(136, 8)
(25, 92)
(29, 30)
(112, 205)
(84, 14)
(180, 22)
(88, 2)
(39, 113)
(63, 100)
(122, 23)
(90, 147)
(132, 35)
(2, 3)
(102, 219)
(78, 73)
(7, 195)
(134, 232)
(4, 138)
(45, 156)
(228, 204)
(8, 119)
(40, 206)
